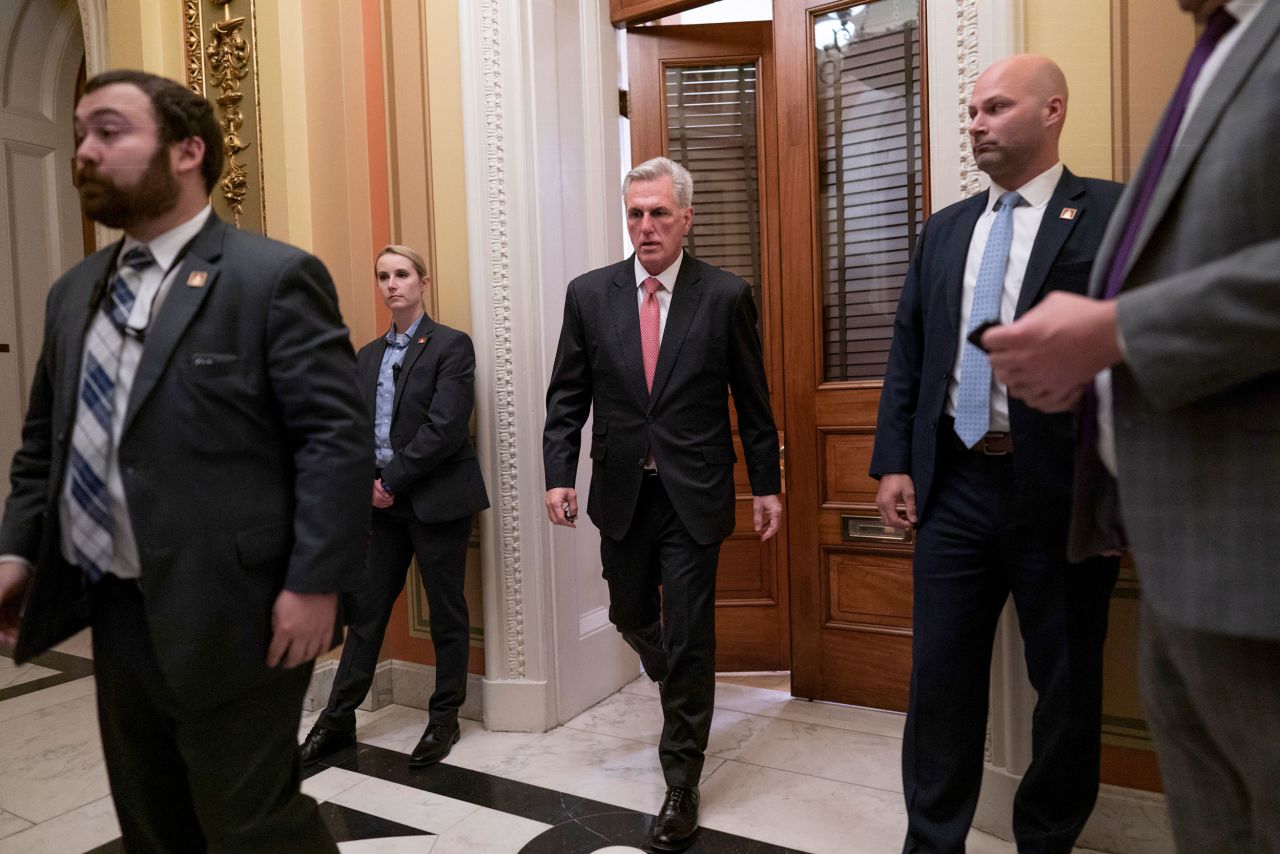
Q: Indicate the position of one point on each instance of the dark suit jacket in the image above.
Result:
(709, 347)
(244, 453)
(926, 333)
(1197, 399)
(435, 465)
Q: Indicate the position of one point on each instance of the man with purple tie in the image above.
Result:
(1175, 366)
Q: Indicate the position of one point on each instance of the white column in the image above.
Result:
(540, 128)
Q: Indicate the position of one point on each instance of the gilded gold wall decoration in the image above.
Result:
(229, 64)
(191, 43)
(221, 54)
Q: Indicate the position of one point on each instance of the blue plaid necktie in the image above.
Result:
(92, 529)
(973, 403)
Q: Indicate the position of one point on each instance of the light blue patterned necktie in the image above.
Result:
(973, 403)
(92, 527)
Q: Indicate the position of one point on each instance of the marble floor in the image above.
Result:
(782, 775)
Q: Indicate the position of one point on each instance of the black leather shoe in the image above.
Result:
(434, 745)
(321, 742)
(677, 823)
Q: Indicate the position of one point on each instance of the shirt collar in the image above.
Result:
(393, 335)
(1035, 193)
(165, 247)
(667, 276)
(1244, 10)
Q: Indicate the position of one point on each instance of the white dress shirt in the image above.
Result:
(1244, 11)
(1026, 223)
(152, 286)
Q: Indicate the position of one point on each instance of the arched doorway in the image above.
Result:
(42, 55)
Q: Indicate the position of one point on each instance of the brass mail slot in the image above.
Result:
(871, 528)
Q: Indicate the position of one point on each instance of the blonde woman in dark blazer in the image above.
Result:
(418, 385)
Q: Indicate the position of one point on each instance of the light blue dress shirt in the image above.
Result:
(392, 358)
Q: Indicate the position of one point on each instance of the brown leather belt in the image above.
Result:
(995, 444)
(992, 444)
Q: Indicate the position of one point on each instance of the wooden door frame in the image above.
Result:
(627, 12)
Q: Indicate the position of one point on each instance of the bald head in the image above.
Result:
(1029, 72)
(1015, 118)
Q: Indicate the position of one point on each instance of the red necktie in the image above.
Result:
(650, 329)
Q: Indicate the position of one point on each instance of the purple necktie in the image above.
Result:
(1217, 26)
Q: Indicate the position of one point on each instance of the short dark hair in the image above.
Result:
(182, 114)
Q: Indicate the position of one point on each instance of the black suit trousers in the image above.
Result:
(210, 779)
(441, 548)
(662, 598)
(979, 542)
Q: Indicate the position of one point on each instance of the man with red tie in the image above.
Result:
(651, 347)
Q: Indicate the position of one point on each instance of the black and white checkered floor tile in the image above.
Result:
(368, 793)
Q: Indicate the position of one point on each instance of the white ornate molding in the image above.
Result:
(93, 21)
(967, 66)
(93, 17)
(541, 146)
(507, 487)
(986, 30)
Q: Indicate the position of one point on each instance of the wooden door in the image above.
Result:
(703, 96)
(852, 198)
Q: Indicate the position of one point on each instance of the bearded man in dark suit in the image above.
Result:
(192, 482)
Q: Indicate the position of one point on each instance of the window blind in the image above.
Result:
(712, 131)
(870, 195)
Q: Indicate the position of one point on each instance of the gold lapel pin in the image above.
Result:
(197, 279)
(1067, 213)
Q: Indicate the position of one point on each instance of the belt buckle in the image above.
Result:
(987, 444)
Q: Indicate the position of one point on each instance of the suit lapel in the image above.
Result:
(1053, 233)
(684, 305)
(417, 345)
(1202, 123)
(958, 254)
(370, 370)
(626, 327)
(179, 307)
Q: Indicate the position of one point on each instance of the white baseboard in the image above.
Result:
(518, 706)
(1124, 821)
(404, 683)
